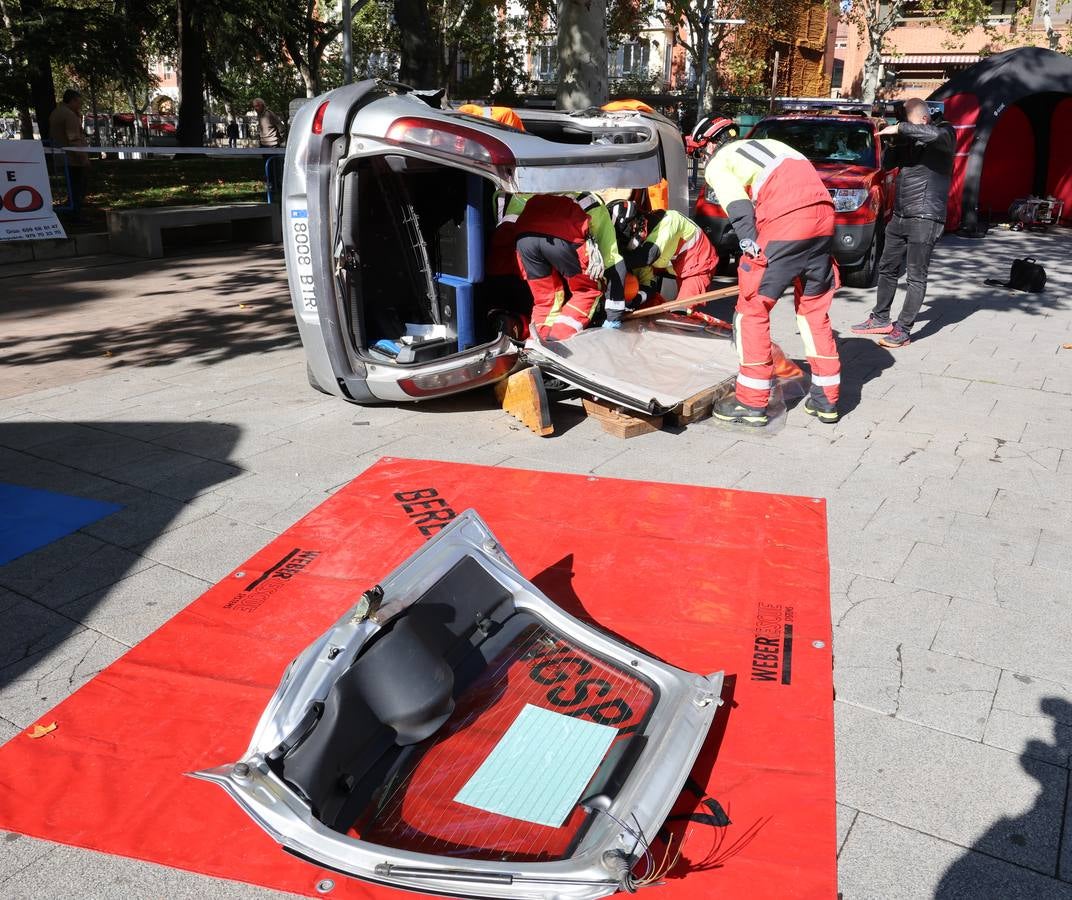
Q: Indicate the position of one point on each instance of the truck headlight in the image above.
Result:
(848, 199)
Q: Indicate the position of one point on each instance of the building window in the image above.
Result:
(545, 62)
(630, 60)
(838, 75)
(465, 69)
(1002, 9)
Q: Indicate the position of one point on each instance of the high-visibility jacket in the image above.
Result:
(600, 226)
(554, 216)
(756, 180)
(671, 238)
(501, 114)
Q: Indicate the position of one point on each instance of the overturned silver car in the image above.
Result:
(457, 733)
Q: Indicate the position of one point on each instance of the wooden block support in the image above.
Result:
(523, 396)
(621, 424)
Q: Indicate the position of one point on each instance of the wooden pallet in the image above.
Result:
(620, 423)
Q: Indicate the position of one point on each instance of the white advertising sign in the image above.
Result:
(25, 196)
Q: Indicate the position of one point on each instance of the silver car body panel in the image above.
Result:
(644, 365)
(354, 124)
(677, 726)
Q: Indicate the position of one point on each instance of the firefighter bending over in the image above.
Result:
(664, 242)
(569, 243)
(784, 218)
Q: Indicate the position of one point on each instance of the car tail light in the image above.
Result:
(318, 119)
(451, 139)
(437, 382)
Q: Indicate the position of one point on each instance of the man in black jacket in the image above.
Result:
(924, 153)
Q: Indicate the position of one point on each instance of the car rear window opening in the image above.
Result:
(417, 235)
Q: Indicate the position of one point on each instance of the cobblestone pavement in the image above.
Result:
(177, 388)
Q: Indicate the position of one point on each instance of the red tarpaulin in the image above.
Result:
(693, 575)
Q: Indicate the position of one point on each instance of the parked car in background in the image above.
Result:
(847, 152)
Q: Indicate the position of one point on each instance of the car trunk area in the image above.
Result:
(414, 236)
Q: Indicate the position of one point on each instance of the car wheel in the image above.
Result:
(866, 274)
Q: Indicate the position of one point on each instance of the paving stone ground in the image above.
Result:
(177, 388)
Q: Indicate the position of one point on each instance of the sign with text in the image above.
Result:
(25, 195)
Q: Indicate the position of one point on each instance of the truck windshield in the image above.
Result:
(823, 141)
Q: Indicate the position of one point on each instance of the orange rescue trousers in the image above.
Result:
(796, 251)
(551, 265)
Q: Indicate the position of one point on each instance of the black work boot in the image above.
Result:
(817, 405)
(729, 409)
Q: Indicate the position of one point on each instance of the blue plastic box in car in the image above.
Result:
(462, 283)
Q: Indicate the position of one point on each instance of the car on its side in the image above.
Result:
(389, 202)
(847, 153)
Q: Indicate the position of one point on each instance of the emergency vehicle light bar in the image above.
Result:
(451, 139)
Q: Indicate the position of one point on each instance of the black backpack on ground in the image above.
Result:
(1025, 275)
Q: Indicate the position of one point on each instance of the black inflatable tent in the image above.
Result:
(1013, 116)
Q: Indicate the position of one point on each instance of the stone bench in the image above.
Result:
(140, 232)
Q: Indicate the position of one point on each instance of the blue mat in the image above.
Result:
(30, 518)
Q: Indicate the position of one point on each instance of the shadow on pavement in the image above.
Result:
(214, 334)
(977, 875)
(48, 594)
(862, 360)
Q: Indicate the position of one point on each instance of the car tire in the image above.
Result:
(866, 274)
(312, 381)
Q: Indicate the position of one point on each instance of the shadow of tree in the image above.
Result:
(1010, 861)
(48, 594)
(234, 311)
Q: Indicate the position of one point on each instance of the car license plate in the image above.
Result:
(303, 260)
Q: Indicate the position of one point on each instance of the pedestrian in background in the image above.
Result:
(269, 128)
(65, 130)
(270, 134)
(924, 153)
(232, 134)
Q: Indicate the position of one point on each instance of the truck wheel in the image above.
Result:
(865, 274)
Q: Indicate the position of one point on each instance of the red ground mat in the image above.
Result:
(706, 579)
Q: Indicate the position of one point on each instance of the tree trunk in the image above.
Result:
(872, 64)
(582, 54)
(25, 123)
(191, 72)
(421, 54)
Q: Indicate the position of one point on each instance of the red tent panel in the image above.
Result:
(1009, 163)
(962, 112)
(1059, 177)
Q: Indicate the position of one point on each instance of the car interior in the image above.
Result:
(413, 237)
(384, 756)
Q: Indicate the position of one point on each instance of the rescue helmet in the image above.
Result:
(713, 131)
(625, 214)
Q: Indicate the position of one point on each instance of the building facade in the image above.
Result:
(919, 56)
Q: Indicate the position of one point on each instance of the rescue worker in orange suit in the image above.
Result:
(563, 243)
(664, 242)
(501, 114)
(784, 219)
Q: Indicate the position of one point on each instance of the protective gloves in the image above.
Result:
(638, 301)
(612, 323)
(595, 267)
(751, 248)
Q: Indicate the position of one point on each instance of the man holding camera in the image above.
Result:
(924, 153)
